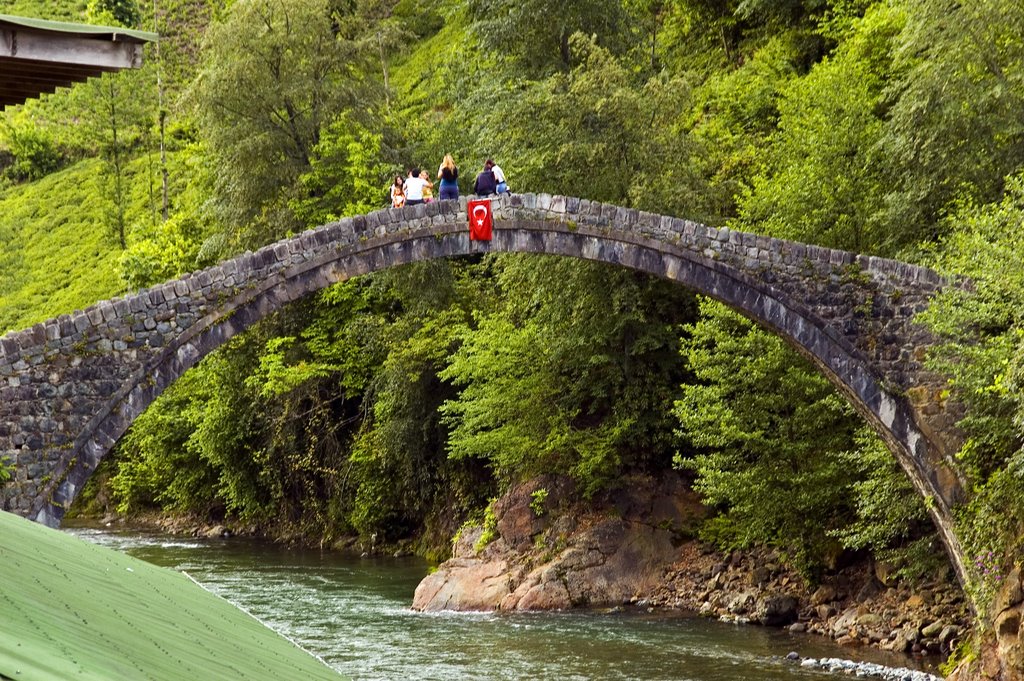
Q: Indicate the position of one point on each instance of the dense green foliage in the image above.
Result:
(983, 327)
(769, 433)
(574, 373)
(783, 456)
(398, 405)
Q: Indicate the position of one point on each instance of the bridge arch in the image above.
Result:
(71, 386)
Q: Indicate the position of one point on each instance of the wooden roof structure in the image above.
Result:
(38, 56)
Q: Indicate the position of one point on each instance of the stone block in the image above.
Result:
(94, 315)
(609, 216)
(107, 310)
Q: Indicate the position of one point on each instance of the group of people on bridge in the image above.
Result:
(417, 188)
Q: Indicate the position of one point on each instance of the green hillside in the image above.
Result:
(58, 256)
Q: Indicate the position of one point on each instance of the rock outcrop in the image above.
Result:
(1000, 654)
(550, 555)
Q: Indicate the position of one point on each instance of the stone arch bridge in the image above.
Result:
(71, 386)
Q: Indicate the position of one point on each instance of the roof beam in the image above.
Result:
(23, 68)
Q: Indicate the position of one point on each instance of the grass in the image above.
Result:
(58, 254)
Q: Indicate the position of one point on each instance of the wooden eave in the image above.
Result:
(37, 57)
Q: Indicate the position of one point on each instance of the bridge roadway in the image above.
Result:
(71, 386)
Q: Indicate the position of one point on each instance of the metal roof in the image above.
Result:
(39, 56)
(73, 610)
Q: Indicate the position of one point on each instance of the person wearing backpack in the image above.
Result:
(485, 183)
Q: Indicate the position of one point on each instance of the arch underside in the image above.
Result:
(842, 364)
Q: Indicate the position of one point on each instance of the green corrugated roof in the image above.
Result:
(84, 30)
(74, 610)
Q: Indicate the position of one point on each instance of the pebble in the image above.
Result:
(863, 669)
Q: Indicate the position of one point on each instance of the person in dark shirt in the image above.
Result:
(485, 182)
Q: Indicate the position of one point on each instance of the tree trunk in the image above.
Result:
(114, 157)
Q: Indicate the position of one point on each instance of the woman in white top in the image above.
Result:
(499, 177)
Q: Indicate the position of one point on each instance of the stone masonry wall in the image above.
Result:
(70, 386)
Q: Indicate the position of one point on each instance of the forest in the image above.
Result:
(400, 404)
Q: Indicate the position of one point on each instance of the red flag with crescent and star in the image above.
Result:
(481, 220)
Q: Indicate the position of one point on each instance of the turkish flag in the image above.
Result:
(481, 221)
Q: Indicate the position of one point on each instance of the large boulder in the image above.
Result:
(519, 521)
(464, 584)
(565, 555)
(777, 610)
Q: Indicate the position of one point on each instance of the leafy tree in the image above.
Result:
(274, 74)
(699, 35)
(33, 152)
(574, 375)
(162, 250)
(982, 331)
(782, 11)
(890, 516)
(120, 110)
(259, 428)
(347, 176)
(767, 433)
(594, 132)
(981, 327)
(157, 463)
(402, 475)
(954, 125)
(537, 38)
(115, 12)
(733, 115)
(822, 180)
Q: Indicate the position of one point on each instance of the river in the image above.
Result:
(353, 612)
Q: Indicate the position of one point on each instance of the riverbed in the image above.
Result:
(353, 612)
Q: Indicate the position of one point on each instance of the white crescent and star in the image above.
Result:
(480, 218)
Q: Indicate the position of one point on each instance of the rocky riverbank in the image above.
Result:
(863, 604)
(636, 546)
